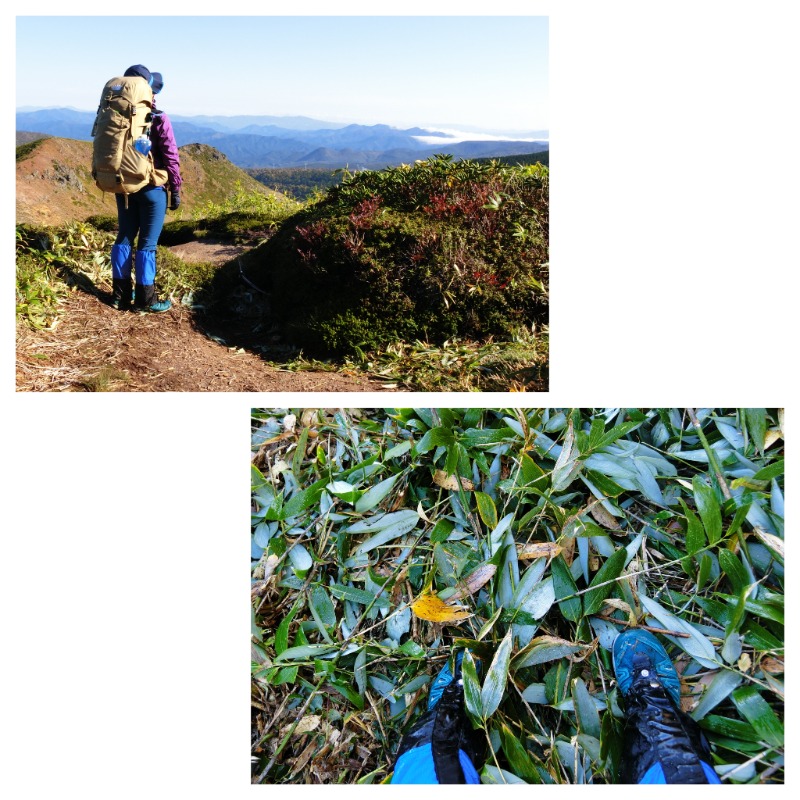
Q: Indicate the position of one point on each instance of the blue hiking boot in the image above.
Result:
(146, 300)
(661, 743)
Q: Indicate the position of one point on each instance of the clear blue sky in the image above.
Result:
(490, 72)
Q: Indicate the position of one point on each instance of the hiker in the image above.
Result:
(142, 213)
(661, 744)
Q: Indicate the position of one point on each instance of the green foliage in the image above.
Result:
(49, 260)
(432, 251)
(353, 519)
(303, 183)
(244, 214)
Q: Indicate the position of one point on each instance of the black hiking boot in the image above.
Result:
(121, 294)
(147, 300)
(662, 744)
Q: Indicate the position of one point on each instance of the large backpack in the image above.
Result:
(124, 114)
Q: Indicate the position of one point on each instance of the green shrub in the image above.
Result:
(104, 222)
(432, 251)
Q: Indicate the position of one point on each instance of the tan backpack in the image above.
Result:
(124, 114)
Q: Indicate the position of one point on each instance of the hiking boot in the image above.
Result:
(661, 743)
(147, 300)
(121, 294)
(454, 747)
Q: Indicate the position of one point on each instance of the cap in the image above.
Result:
(141, 71)
(157, 83)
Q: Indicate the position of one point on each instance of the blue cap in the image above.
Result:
(140, 71)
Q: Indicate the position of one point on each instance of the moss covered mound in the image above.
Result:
(432, 251)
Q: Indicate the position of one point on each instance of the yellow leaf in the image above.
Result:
(441, 478)
(434, 609)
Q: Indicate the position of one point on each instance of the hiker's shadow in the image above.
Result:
(82, 282)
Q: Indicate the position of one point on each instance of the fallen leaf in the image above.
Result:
(603, 517)
(278, 467)
(773, 666)
(434, 609)
(474, 581)
(306, 725)
(621, 605)
(441, 478)
(745, 662)
(527, 552)
(772, 542)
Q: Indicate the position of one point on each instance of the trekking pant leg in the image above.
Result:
(152, 208)
(145, 267)
(656, 774)
(417, 766)
(127, 220)
(121, 261)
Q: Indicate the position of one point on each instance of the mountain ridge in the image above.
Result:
(54, 184)
(259, 142)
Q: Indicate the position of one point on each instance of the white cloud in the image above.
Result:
(456, 136)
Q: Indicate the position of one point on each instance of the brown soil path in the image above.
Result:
(95, 348)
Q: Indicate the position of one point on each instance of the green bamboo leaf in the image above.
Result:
(322, 606)
(708, 507)
(486, 509)
(543, 649)
(398, 450)
(704, 570)
(344, 491)
(305, 652)
(518, 758)
(734, 569)
(441, 531)
(567, 465)
(697, 645)
(435, 437)
(731, 728)
(375, 494)
(757, 425)
(615, 433)
(301, 560)
(348, 692)
(304, 499)
(752, 706)
(360, 670)
(725, 681)
(358, 596)
(472, 688)
(494, 684)
(770, 472)
(695, 533)
(492, 775)
(282, 632)
(610, 571)
(564, 586)
(380, 522)
(299, 453)
(585, 709)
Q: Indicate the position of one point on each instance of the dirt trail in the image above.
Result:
(95, 348)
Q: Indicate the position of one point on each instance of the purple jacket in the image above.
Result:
(165, 150)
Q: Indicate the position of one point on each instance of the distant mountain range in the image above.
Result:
(264, 141)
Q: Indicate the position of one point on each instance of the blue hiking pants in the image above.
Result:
(416, 766)
(143, 218)
(656, 774)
